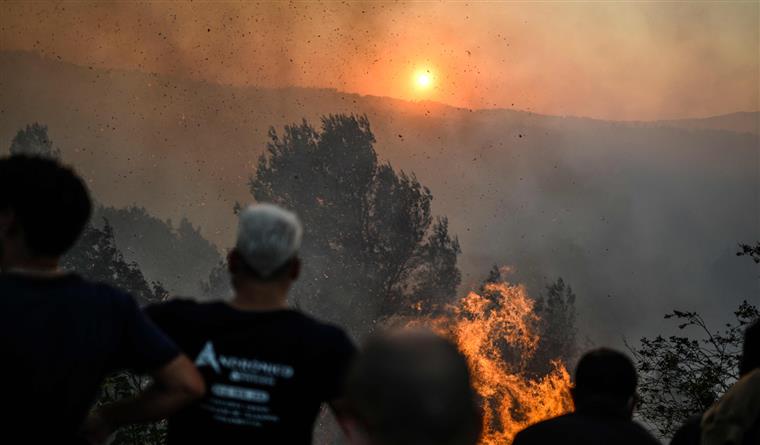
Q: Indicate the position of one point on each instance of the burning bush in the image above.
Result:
(498, 331)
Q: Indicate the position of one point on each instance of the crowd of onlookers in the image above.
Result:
(252, 370)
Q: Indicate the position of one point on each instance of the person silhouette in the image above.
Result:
(604, 395)
(269, 368)
(411, 388)
(61, 335)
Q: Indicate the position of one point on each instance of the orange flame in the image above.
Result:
(484, 327)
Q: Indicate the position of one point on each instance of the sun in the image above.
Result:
(423, 79)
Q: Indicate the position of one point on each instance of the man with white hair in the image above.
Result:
(268, 368)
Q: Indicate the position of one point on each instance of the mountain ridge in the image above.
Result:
(604, 204)
(684, 122)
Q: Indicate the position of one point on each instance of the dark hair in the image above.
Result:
(751, 350)
(413, 388)
(606, 373)
(49, 202)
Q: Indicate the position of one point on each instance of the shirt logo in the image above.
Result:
(207, 357)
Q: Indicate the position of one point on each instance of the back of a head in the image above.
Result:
(605, 374)
(413, 388)
(750, 359)
(49, 202)
(268, 237)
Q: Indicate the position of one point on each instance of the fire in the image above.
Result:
(497, 332)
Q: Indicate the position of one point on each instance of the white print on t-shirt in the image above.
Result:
(236, 392)
(207, 356)
(239, 405)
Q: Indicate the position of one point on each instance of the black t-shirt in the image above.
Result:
(59, 338)
(585, 429)
(267, 373)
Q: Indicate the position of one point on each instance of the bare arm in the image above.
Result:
(175, 385)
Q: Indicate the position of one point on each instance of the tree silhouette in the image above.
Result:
(96, 257)
(218, 285)
(176, 256)
(751, 251)
(681, 376)
(556, 311)
(555, 325)
(371, 246)
(33, 140)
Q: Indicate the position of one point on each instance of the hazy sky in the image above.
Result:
(644, 60)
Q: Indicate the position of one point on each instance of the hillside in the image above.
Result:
(636, 216)
(741, 122)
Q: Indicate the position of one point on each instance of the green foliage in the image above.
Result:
(371, 246)
(33, 140)
(681, 376)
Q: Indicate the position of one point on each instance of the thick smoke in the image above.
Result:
(639, 219)
(633, 61)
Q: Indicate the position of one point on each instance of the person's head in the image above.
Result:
(266, 251)
(605, 379)
(750, 359)
(44, 207)
(411, 388)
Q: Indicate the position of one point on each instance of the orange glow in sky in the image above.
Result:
(423, 80)
(616, 60)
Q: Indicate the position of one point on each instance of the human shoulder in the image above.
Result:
(324, 330)
(173, 304)
(325, 338)
(108, 291)
(560, 428)
(69, 289)
(100, 294)
(744, 393)
(644, 437)
(66, 282)
(542, 432)
(735, 412)
(172, 309)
